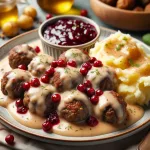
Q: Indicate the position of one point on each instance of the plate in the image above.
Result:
(38, 134)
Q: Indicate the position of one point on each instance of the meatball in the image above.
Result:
(40, 64)
(38, 100)
(66, 78)
(111, 108)
(21, 55)
(11, 83)
(103, 78)
(110, 2)
(126, 4)
(75, 54)
(74, 106)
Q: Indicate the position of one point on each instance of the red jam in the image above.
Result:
(68, 32)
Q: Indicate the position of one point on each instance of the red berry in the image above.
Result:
(97, 63)
(23, 67)
(53, 118)
(48, 16)
(26, 86)
(92, 59)
(46, 126)
(19, 103)
(88, 83)
(22, 110)
(72, 63)
(37, 49)
(56, 98)
(54, 64)
(35, 82)
(87, 65)
(94, 99)
(61, 63)
(45, 79)
(9, 139)
(99, 92)
(50, 71)
(92, 121)
(83, 71)
(81, 88)
(84, 12)
(90, 92)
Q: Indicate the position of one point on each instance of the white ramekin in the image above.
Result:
(56, 50)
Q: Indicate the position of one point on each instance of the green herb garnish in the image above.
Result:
(125, 38)
(131, 62)
(119, 46)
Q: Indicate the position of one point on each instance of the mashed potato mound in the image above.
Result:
(131, 63)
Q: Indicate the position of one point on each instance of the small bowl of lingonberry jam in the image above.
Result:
(61, 33)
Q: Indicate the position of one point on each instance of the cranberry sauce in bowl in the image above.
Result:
(69, 32)
(61, 33)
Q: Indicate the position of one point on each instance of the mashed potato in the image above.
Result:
(131, 63)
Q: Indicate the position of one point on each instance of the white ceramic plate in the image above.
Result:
(6, 119)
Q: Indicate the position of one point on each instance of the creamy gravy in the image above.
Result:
(64, 128)
(40, 64)
(108, 99)
(68, 129)
(96, 75)
(77, 55)
(24, 48)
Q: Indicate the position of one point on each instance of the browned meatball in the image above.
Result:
(75, 111)
(40, 64)
(111, 108)
(77, 55)
(66, 78)
(74, 107)
(126, 4)
(38, 100)
(11, 83)
(110, 2)
(21, 55)
(103, 78)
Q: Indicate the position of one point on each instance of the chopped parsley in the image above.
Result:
(131, 62)
(125, 38)
(119, 46)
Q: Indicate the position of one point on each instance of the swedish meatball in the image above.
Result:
(103, 78)
(38, 100)
(75, 54)
(66, 78)
(40, 64)
(21, 55)
(110, 2)
(11, 83)
(111, 108)
(74, 106)
(126, 4)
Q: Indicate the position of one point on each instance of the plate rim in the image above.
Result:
(111, 137)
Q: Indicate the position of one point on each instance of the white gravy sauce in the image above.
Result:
(64, 128)
(17, 74)
(37, 97)
(25, 49)
(39, 64)
(97, 74)
(69, 96)
(76, 55)
(107, 99)
(69, 75)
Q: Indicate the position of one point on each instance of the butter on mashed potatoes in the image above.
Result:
(131, 63)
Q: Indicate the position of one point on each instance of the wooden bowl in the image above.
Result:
(122, 19)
